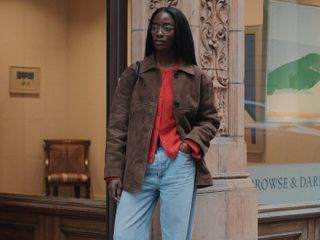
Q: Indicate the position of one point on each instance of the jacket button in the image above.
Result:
(176, 74)
(176, 104)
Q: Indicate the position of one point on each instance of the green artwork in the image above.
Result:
(301, 74)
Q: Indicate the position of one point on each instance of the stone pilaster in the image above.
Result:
(228, 210)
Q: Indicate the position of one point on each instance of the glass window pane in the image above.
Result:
(282, 91)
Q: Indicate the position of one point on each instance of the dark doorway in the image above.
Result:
(116, 44)
(117, 16)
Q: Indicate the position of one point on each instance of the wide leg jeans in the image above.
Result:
(171, 181)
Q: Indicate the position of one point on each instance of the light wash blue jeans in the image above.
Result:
(171, 181)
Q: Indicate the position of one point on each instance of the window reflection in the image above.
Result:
(282, 95)
(282, 83)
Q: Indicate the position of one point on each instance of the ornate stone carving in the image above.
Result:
(154, 4)
(214, 51)
(221, 101)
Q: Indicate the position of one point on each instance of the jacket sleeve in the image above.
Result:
(118, 125)
(207, 123)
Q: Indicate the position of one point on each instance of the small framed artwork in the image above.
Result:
(24, 80)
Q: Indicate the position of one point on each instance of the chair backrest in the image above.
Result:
(67, 156)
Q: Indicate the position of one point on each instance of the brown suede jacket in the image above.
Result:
(133, 113)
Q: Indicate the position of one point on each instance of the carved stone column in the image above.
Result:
(228, 210)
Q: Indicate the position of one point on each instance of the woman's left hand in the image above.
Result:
(114, 189)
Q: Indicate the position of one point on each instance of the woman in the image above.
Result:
(160, 127)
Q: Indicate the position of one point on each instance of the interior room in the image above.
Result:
(65, 41)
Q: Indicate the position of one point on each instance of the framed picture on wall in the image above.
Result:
(24, 80)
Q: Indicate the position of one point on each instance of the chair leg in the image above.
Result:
(55, 191)
(88, 189)
(47, 188)
(77, 191)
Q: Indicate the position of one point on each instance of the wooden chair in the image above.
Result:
(67, 165)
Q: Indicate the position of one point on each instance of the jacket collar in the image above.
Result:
(150, 63)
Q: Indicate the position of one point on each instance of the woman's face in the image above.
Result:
(163, 32)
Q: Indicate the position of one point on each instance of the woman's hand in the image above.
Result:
(184, 147)
(115, 189)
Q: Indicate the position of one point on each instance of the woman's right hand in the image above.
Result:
(115, 189)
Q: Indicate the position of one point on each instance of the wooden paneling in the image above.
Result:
(71, 229)
(15, 231)
(283, 230)
(290, 222)
(51, 218)
(80, 234)
(17, 225)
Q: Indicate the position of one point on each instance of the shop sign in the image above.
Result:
(286, 183)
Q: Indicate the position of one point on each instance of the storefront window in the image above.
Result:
(282, 99)
(52, 86)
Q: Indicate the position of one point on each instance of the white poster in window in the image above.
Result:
(293, 63)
